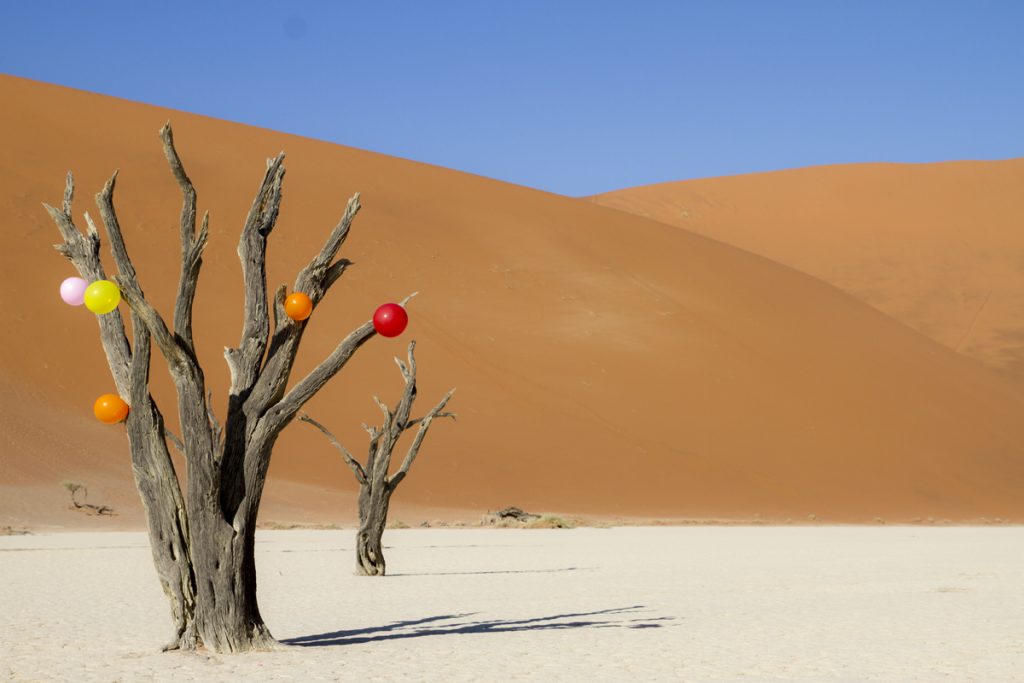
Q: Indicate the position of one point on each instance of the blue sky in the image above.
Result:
(569, 96)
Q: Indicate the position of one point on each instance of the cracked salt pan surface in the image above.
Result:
(644, 604)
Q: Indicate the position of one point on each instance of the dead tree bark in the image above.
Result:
(202, 541)
(375, 485)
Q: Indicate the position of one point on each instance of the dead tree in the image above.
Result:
(202, 538)
(73, 488)
(375, 485)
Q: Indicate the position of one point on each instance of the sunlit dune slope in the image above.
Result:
(605, 363)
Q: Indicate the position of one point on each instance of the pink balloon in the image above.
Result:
(72, 291)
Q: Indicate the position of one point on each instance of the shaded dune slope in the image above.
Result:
(939, 247)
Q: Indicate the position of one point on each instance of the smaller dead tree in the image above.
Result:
(375, 485)
(73, 487)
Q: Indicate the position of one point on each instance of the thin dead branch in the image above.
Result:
(352, 463)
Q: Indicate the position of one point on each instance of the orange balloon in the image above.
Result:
(298, 306)
(109, 408)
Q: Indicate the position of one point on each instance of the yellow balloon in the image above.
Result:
(102, 296)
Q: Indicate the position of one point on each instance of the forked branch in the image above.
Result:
(197, 431)
(314, 280)
(379, 456)
(84, 253)
(414, 448)
(127, 280)
(244, 361)
(283, 412)
(82, 250)
(175, 440)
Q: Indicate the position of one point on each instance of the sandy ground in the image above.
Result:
(645, 604)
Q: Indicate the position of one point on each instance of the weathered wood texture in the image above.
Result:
(375, 485)
(202, 541)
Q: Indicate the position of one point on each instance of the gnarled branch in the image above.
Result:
(414, 448)
(412, 423)
(151, 318)
(155, 477)
(105, 203)
(139, 396)
(84, 253)
(352, 463)
(259, 408)
(314, 280)
(244, 361)
(175, 440)
(287, 407)
(215, 426)
(192, 244)
(404, 406)
(184, 366)
(375, 435)
(127, 280)
(69, 194)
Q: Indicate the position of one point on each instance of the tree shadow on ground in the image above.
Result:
(429, 627)
(497, 571)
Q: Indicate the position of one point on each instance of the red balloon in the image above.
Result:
(390, 320)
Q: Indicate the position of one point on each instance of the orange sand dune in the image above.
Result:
(605, 363)
(939, 247)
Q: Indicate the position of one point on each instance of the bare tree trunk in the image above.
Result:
(153, 470)
(373, 517)
(375, 486)
(228, 618)
(167, 523)
(203, 542)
